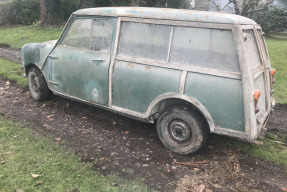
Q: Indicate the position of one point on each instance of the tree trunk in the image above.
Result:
(43, 12)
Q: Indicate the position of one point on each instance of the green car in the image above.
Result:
(190, 72)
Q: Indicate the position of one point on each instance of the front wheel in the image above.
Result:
(181, 130)
(38, 85)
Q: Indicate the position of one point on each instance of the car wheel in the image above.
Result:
(38, 85)
(181, 130)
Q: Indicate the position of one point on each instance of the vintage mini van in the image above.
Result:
(191, 72)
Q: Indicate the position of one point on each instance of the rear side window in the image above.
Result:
(207, 48)
(149, 41)
(252, 49)
(78, 34)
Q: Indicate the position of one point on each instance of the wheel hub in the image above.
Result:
(179, 131)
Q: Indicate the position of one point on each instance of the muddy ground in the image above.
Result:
(132, 150)
(10, 54)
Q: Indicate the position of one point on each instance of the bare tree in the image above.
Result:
(248, 6)
(43, 12)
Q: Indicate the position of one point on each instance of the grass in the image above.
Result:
(25, 153)
(16, 37)
(274, 147)
(278, 55)
(12, 71)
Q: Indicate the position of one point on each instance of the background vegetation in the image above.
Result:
(273, 19)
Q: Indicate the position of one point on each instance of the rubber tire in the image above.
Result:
(198, 130)
(43, 91)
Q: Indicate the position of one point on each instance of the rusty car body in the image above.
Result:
(191, 72)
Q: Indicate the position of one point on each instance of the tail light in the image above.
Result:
(256, 95)
(273, 71)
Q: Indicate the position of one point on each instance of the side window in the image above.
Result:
(78, 34)
(207, 48)
(252, 49)
(149, 41)
(101, 35)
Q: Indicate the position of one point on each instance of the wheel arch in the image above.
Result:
(28, 67)
(162, 102)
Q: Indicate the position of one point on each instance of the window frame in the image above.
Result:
(70, 23)
(166, 64)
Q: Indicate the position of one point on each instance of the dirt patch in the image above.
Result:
(278, 120)
(132, 150)
(11, 54)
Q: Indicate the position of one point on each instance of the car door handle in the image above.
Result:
(53, 57)
(98, 59)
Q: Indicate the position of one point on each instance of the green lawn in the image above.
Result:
(278, 55)
(12, 71)
(24, 153)
(16, 37)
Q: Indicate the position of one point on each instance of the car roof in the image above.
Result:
(167, 14)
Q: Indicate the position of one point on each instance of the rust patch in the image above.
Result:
(148, 68)
(130, 65)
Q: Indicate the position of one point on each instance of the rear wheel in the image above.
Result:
(182, 130)
(37, 85)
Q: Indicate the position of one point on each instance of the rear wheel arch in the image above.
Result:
(159, 105)
(182, 130)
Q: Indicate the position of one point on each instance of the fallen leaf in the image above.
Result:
(7, 83)
(84, 118)
(126, 132)
(207, 190)
(19, 190)
(58, 139)
(115, 184)
(196, 169)
(48, 127)
(201, 188)
(210, 146)
(101, 159)
(29, 110)
(215, 185)
(35, 176)
(167, 170)
(284, 189)
(39, 183)
(50, 117)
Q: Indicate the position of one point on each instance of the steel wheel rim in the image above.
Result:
(179, 131)
(35, 85)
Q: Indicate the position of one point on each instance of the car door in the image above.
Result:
(80, 61)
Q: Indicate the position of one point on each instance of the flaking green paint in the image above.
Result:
(135, 85)
(221, 96)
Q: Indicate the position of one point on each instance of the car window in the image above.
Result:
(78, 34)
(148, 41)
(101, 35)
(207, 48)
(252, 49)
